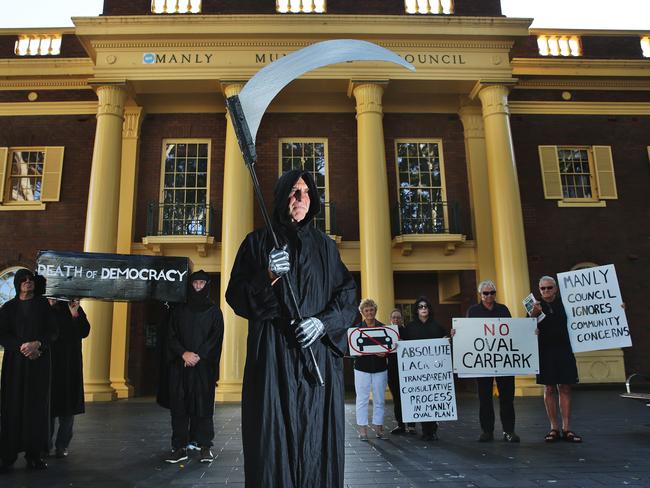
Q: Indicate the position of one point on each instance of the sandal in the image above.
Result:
(552, 436)
(570, 436)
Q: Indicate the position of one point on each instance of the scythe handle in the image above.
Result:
(247, 146)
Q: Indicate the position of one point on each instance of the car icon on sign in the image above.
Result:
(377, 337)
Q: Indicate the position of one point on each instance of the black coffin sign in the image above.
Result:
(120, 277)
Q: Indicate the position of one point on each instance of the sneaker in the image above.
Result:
(399, 430)
(61, 452)
(206, 455)
(177, 456)
(193, 446)
(486, 437)
(510, 437)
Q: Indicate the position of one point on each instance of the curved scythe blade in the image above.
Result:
(262, 88)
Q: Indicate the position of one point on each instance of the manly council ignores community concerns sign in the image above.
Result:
(426, 381)
(593, 304)
(495, 347)
(113, 276)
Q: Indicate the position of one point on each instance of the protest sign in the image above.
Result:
(495, 347)
(529, 302)
(119, 277)
(364, 341)
(595, 315)
(426, 381)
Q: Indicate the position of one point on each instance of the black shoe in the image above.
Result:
(61, 452)
(36, 463)
(510, 437)
(206, 455)
(486, 437)
(177, 456)
(398, 430)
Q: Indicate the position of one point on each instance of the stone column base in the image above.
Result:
(228, 391)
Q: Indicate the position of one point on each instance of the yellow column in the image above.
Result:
(101, 234)
(509, 242)
(237, 222)
(126, 216)
(511, 261)
(477, 172)
(374, 215)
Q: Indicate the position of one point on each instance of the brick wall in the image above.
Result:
(376, 7)
(559, 238)
(61, 226)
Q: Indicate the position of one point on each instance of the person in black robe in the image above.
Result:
(393, 379)
(27, 329)
(424, 327)
(67, 372)
(293, 428)
(557, 364)
(194, 342)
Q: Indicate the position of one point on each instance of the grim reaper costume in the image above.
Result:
(293, 429)
(195, 326)
(25, 390)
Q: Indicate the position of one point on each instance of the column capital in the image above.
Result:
(471, 117)
(493, 95)
(368, 95)
(230, 88)
(112, 98)
(133, 116)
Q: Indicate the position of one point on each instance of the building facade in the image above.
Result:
(507, 155)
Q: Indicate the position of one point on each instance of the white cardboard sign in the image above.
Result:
(594, 308)
(363, 341)
(495, 347)
(426, 380)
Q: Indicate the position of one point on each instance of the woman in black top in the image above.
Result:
(424, 327)
(370, 372)
(557, 364)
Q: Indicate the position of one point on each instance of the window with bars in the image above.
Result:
(421, 187)
(185, 187)
(578, 173)
(310, 155)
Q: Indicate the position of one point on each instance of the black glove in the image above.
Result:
(279, 261)
(309, 330)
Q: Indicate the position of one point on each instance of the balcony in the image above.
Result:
(176, 6)
(179, 224)
(429, 7)
(559, 45)
(300, 6)
(427, 224)
(38, 45)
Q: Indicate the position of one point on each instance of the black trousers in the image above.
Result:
(429, 428)
(506, 388)
(63, 434)
(393, 386)
(201, 429)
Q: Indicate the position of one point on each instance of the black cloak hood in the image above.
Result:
(199, 300)
(281, 199)
(20, 276)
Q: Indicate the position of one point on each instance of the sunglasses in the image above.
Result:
(544, 288)
(487, 293)
(422, 306)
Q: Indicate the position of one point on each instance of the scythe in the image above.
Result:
(247, 108)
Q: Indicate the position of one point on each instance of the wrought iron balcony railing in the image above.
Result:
(180, 219)
(426, 218)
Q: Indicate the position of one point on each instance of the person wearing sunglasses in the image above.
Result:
(490, 308)
(557, 364)
(424, 327)
(27, 328)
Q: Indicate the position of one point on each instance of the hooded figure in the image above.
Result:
(194, 343)
(27, 328)
(292, 428)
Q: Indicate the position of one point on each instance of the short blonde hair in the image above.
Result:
(368, 302)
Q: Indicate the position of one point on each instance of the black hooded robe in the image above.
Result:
(293, 429)
(196, 327)
(25, 383)
(67, 363)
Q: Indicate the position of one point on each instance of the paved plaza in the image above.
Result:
(122, 444)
